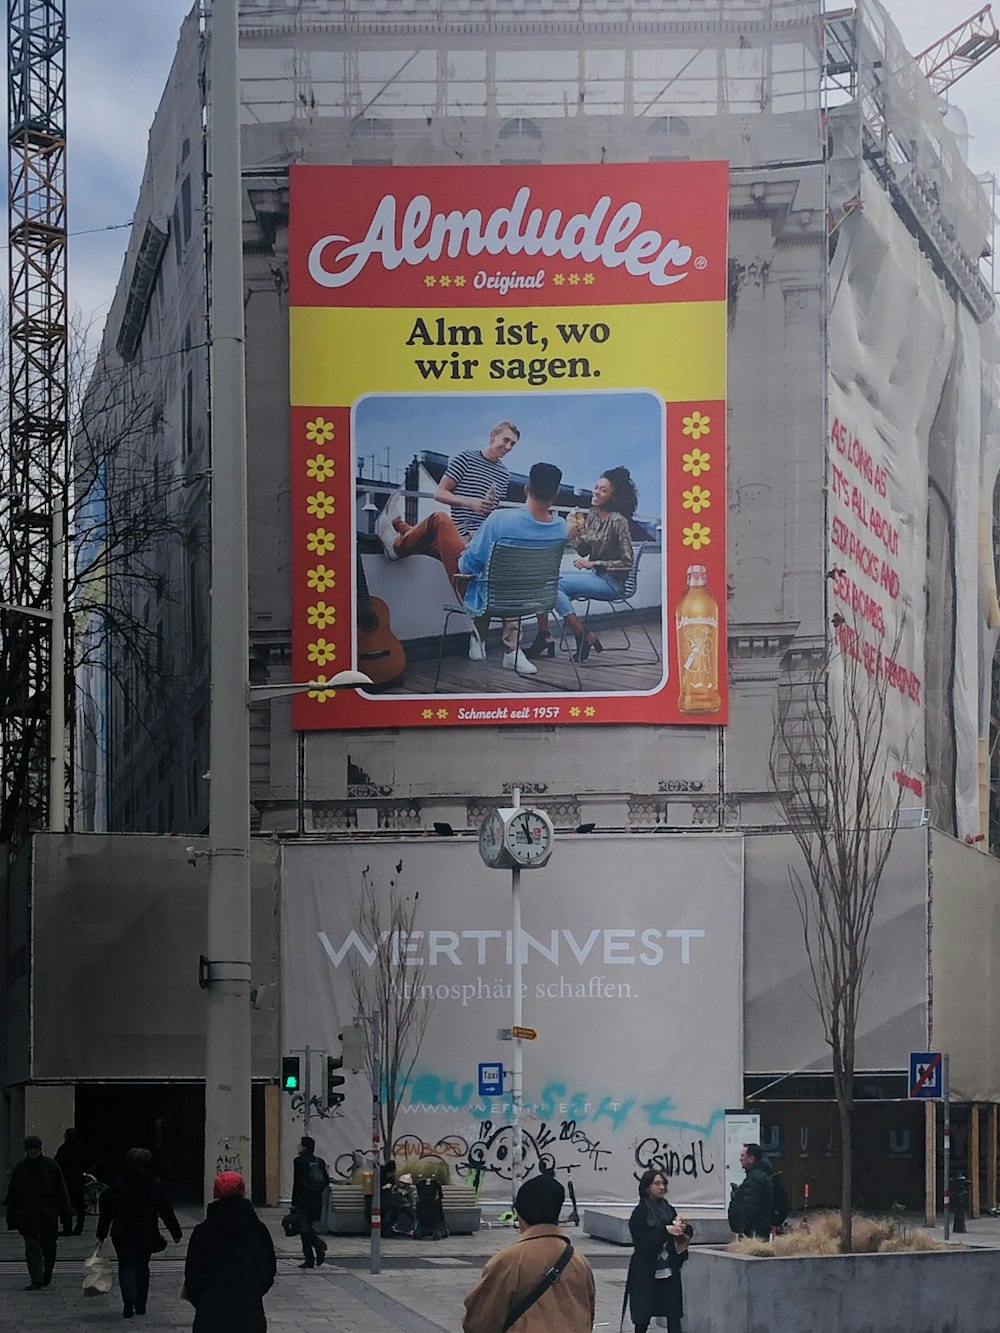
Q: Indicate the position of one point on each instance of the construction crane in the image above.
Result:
(34, 448)
(962, 49)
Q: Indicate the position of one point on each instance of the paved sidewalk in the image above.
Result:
(419, 1290)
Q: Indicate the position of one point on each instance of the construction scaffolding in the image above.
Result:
(35, 445)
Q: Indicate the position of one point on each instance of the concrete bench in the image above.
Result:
(344, 1210)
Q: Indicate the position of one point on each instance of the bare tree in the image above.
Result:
(124, 511)
(831, 765)
(396, 985)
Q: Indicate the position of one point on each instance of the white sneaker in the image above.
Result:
(384, 530)
(477, 648)
(521, 664)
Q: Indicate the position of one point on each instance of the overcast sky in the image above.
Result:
(119, 54)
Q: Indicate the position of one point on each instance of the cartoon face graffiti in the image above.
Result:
(494, 1154)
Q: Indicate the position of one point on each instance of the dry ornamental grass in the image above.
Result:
(820, 1234)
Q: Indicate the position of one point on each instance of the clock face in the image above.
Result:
(529, 837)
(491, 844)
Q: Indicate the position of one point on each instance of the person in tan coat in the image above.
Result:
(566, 1306)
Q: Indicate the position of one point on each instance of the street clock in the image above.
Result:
(518, 838)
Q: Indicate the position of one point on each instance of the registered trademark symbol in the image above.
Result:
(701, 262)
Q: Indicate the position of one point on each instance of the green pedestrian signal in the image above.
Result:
(290, 1066)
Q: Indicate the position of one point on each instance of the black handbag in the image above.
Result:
(159, 1242)
(294, 1222)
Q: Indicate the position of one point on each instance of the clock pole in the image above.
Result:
(517, 1053)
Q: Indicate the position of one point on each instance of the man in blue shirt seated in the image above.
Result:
(532, 525)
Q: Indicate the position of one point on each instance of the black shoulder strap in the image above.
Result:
(550, 1276)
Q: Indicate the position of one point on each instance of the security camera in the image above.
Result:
(192, 855)
(257, 995)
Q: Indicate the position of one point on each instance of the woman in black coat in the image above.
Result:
(230, 1263)
(653, 1286)
(130, 1208)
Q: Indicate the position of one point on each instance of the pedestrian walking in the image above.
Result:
(539, 1284)
(752, 1204)
(131, 1206)
(309, 1181)
(230, 1263)
(660, 1237)
(72, 1160)
(36, 1202)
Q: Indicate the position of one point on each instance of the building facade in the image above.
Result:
(860, 415)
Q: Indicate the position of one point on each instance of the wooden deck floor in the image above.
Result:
(607, 672)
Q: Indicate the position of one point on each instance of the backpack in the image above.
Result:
(781, 1204)
(316, 1177)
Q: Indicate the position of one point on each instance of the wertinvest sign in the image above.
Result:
(450, 328)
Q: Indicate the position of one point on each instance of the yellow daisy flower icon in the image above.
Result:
(590, 711)
(697, 425)
(574, 712)
(321, 652)
(430, 280)
(697, 536)
(697, 499)
(321, 579)
(588, 279)
(320, 468)
(444, 280)
(321, 696)
(321, 505)
(427, 714)
(558, 279)
(321, 542)
(574, 279)
(460, 280)
(442, 713)
(319, 431)
(697, 462)
(321, 615)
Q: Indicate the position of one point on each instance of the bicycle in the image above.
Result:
(92, 1191)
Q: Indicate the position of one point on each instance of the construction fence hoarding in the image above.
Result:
(636, 999)
(451, 327)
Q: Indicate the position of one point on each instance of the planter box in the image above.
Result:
(931, 1291)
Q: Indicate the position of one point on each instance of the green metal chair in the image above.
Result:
(624, 598)
(522, 582)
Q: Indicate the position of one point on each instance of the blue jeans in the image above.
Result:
(579, 584)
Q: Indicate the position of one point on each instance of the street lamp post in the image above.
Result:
(227, 1056)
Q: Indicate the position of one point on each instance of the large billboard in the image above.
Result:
(451, 328)
(636, 998)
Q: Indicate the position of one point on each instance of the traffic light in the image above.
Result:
(334, 1080)
(290, 1068)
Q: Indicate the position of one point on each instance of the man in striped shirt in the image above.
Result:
(473, 485)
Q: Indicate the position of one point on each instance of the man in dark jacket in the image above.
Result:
(36, 1202)
(309, 1181)
(753, 1201)
(71, 1158)
(230, 1263)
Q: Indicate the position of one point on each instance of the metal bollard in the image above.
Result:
(960, 1198)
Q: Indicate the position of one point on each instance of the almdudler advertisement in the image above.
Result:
(508, 443)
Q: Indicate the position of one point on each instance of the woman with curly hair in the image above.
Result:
(604, 557)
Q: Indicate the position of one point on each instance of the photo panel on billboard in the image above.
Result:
(453, 330)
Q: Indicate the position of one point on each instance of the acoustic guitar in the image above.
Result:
(380, 654)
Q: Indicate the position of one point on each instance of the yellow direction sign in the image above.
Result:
(526, 1034)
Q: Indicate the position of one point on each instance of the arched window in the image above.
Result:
(668, 139)
(520, 141)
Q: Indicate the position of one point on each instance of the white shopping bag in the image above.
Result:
(97, 1278)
